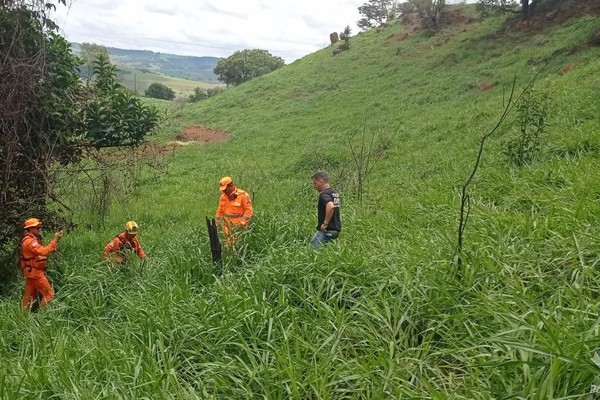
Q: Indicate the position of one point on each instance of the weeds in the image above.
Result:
(532, 117)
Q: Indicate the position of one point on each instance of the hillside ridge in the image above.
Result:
(178, 66)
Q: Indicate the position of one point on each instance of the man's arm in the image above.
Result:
(248, 209)
(111, 247)
(329, 207)
(138, 248)
(220, 212)
(38, 250)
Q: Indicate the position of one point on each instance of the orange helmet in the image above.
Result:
(224, 182)
(131, 227)
(32, 223)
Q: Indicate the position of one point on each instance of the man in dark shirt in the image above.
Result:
(328, 207)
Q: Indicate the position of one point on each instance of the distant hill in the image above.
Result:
(185, 67)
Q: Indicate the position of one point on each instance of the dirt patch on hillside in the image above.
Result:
(566, 68)
(199, 133)
(455, 18)
(399, 37)
(451, 18)
(484, 86)
(545, 18)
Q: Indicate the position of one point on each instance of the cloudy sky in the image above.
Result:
(289, 29)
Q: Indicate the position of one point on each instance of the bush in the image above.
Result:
(532, 113)
(159, 91)
(491, 7)
(203, 94)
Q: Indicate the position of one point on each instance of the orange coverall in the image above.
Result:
(121, 243)
(234, 209)
(33, 264)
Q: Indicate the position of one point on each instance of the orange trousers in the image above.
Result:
(35, 286)
(233, 232)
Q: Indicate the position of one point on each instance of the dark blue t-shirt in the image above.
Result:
(327, 195)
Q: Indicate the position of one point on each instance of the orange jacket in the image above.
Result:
(120, 243)
(235, 208)
(34, 255)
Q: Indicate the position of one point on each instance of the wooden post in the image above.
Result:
(334, 38)
(215, 245)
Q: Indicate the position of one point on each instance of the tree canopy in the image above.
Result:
(158, 90)
(376, 12)
(244, 65)
(430, 10)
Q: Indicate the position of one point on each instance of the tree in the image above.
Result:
(527, 7)
(160, 91)
(89, 53)
(430, 10)
(345, 36)
(203, 94)
(377, 12)
(244, 65)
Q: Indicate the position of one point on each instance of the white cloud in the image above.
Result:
(290, 29)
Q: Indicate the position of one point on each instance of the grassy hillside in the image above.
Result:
(186, 67)
(381, 313)
(137, 69)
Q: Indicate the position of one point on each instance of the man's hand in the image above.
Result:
(58, 235)
(323, 227)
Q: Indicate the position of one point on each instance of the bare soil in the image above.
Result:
(568, 10)
(199, 133)
(486, 86)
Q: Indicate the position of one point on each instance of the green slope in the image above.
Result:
(380, 314)
(185, 67)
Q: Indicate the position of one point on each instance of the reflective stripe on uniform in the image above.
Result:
(233, 215)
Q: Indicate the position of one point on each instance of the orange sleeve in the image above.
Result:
(248, 209)
(111, 247)
(34, 248)
(138, 248)
(220, 208)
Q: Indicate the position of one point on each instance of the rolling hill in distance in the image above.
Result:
(137, 69)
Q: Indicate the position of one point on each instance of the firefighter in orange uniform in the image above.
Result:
(33, 263)
(234, 211)
(127, 240)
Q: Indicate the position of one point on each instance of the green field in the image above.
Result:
(383, 313)
(138, 81)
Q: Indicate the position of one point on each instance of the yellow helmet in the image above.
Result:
(32, 223)
(131, 227)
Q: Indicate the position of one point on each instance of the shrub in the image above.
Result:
(159, 91)
(532, 113)
(203, 94)
(491, 7)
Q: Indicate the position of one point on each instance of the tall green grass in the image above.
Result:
(379, 314)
